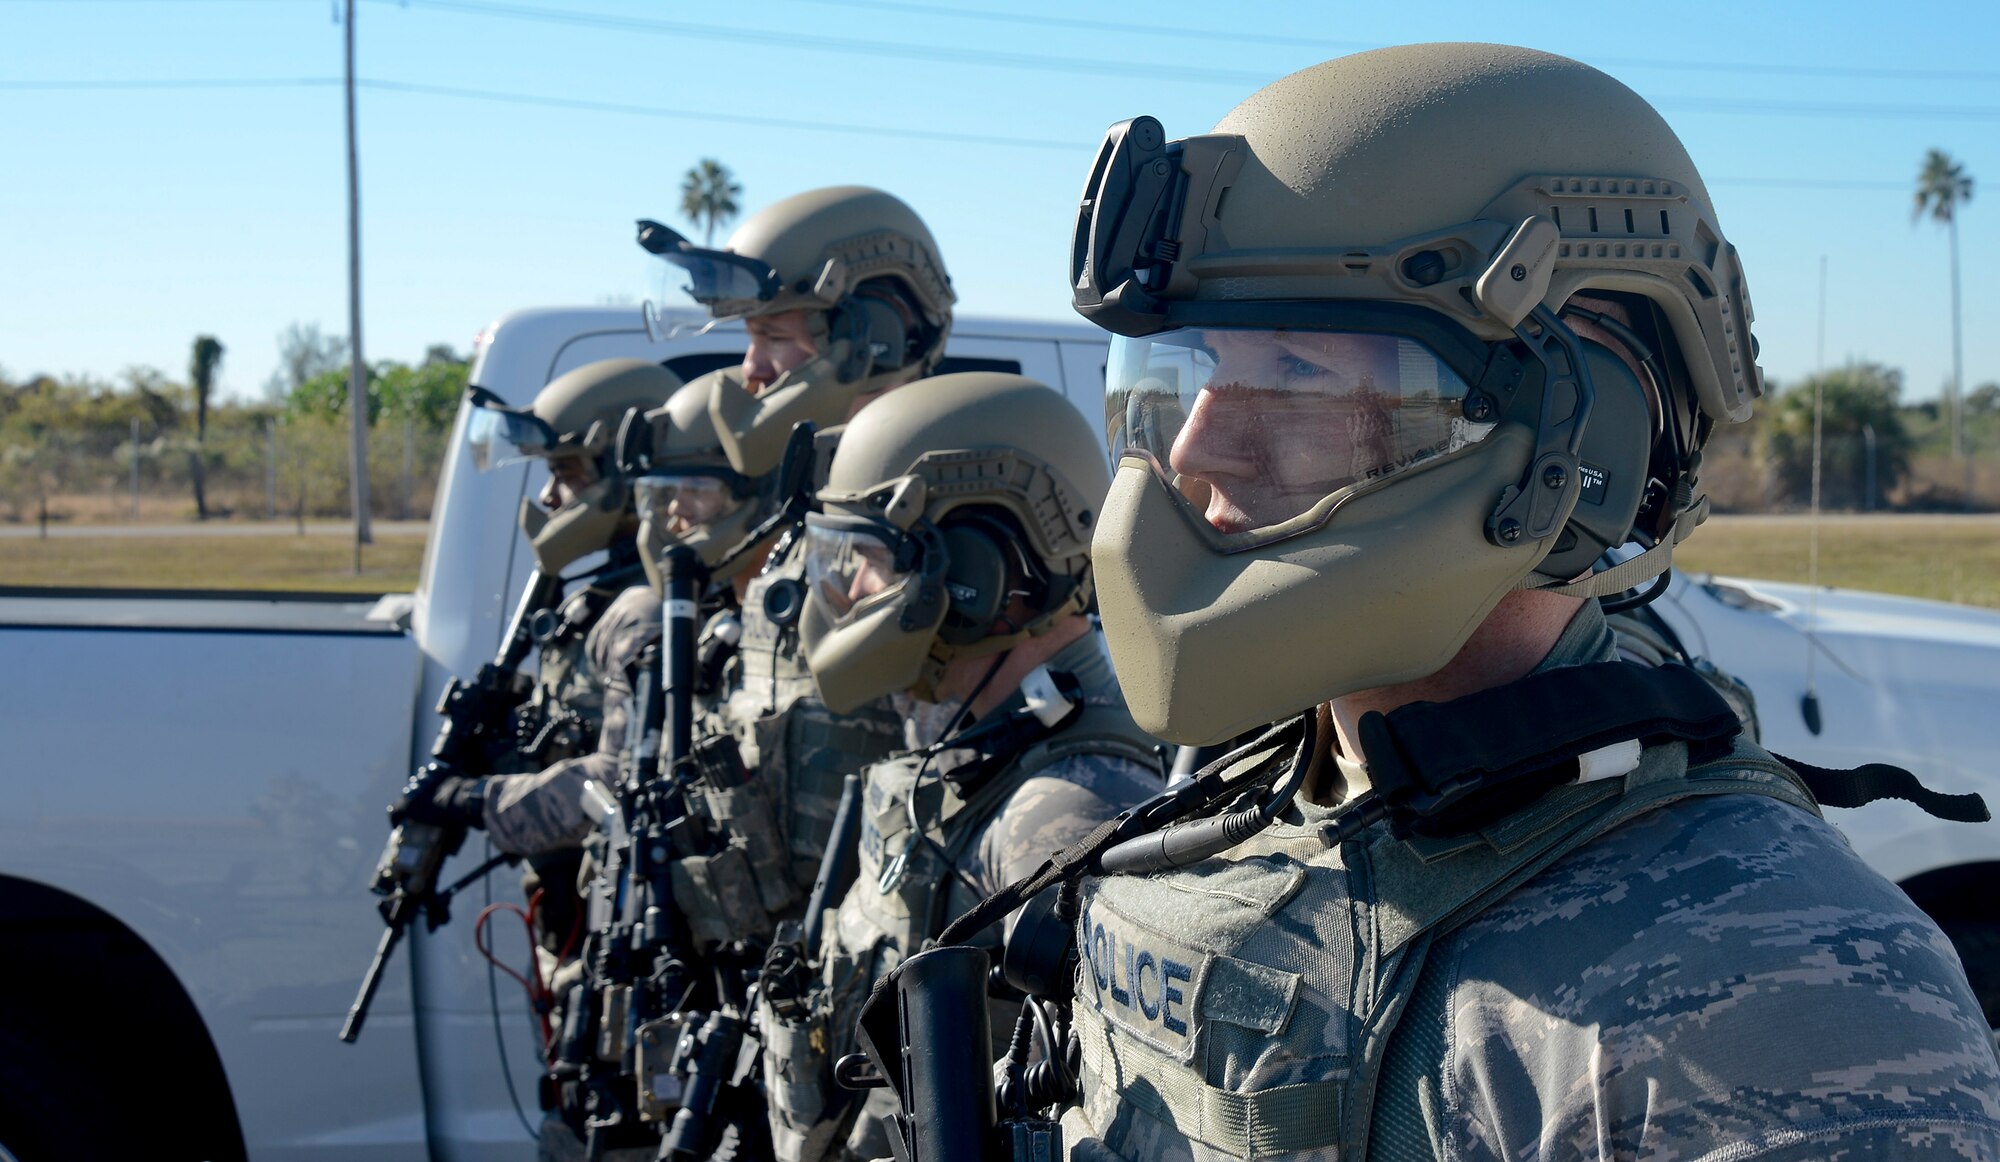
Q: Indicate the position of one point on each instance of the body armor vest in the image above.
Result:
(565, 711)
(1242, 1007)
(793, 753)
(901, 898)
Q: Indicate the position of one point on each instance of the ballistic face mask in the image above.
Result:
(1347, 414)
(955, 522)
(571, 419)
(684, 489)
(876, 300)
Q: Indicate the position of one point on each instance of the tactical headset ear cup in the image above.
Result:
(975, 583)
(1616, 446)
(880, 341)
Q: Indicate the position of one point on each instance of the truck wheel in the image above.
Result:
(46, 1109)
(1978, 944)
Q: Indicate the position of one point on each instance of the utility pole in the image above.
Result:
(1958, 370)
(357, 376)
(271, 469)
(135, 467)
(1957, 354)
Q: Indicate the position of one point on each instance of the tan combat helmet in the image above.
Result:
(1409, 330)
(866, 271)
(686, 491)
(945, 502)
(575, 416)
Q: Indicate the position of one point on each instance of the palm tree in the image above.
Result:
(708, 196)
(202, 364)
(1942, 187)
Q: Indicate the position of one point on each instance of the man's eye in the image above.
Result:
(1299, 367)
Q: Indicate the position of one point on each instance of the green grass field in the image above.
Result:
(196, 561)
(1945, 558)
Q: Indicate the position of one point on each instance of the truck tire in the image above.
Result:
(48, 1109)
(82, 1076)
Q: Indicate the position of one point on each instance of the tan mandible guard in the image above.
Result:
(877, 300)
(575, 416)
(688, 481)
(1454, 199)
(960, 482)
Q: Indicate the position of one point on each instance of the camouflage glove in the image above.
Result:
(443, 800)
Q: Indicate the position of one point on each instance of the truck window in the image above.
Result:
(953, 364)
(693, 367)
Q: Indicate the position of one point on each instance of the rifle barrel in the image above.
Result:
(351, 1029)
(838, 864)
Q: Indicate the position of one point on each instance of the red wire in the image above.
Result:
(539, 997)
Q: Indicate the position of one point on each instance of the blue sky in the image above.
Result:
(132, 219)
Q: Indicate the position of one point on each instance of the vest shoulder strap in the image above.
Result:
(1431, 886)
(1099, 730)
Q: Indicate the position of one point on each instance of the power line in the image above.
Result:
(1096, 25)
(1217, 34)
(852, 46)
(1077, 145)
(216, 83)
(1756, 68)
(1696, 105)
(1157, 73)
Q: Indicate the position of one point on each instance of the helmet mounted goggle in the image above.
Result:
(851, 559)
(728, 284)
(500, 435)
(1434, 362)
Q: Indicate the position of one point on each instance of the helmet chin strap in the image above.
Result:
(1625, 575)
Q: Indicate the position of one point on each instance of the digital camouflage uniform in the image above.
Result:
(586, 690)
(1719, 977)
(795, 753)
(908, 887)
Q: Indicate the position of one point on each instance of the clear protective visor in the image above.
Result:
(849, 562)
(499, 436)
(722, 281)
(682, 503)
(1255, 429)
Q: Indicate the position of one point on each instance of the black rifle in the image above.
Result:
(839, 864)
(927, 1032)
(641, 961)
(659, 1049)
(475, 731)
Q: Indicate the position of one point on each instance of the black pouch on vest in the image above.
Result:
(718, 762)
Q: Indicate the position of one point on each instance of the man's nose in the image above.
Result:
(1219, 438)
(551, 497)
(758, 368)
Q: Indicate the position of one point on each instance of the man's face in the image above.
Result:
(846, 568)
(778, 343)
(698, 501)
(568, 476)
(874, 572)
(1285, 419)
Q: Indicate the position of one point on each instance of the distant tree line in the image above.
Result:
(1877, 452)
(74, 447)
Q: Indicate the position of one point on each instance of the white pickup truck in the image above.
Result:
(193, 795)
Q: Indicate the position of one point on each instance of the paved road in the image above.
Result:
(281, 528)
